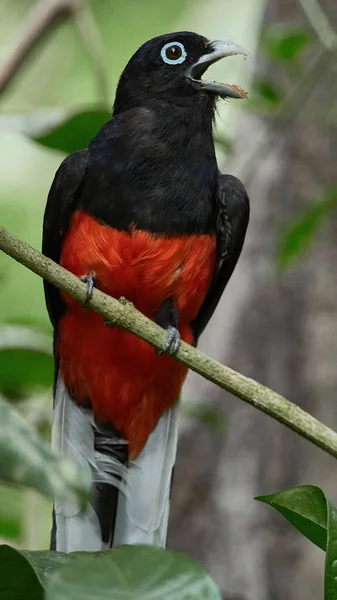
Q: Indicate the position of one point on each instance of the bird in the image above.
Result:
(142, 213)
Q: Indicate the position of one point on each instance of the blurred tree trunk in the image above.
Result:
(281, 331)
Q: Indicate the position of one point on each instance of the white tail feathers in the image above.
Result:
(145, 485)
(73, 437)
(142, 514)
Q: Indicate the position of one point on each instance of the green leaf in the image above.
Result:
(33, 352)
(27, 461)
(123, 573)
(330, 580)
(59, 129)
(300, 233)
(10, 528)
(46, 563)
(11, 510)
(36, 369)
(132, 573)
(267, 91)
(312, 514)
(284, 45)
(42, 563)
(75, 132)
(305, 508)
(17, 577)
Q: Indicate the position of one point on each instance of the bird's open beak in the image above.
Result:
(218, 50)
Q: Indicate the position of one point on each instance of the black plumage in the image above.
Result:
(153, 166)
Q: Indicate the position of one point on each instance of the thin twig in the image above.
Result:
(45, 15)
(123, 314)
(92, 42)
(320, 23)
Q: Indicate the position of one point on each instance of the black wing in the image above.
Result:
(233, 217)
(63, 199)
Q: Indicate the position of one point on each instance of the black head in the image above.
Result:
(170, 67)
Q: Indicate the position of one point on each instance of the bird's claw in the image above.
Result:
(89, 279)
(172, 342)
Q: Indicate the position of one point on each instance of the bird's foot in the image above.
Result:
(172, 341)
(89, 279)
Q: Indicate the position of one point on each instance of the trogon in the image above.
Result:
(143, 212)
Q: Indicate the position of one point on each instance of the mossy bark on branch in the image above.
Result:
(123, 314)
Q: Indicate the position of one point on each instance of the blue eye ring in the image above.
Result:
(180, 59)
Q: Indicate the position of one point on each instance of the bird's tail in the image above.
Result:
(129, 502)
(142, 513)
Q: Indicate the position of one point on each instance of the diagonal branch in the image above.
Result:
(123, 314)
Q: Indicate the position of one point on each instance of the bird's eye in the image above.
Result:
(173, 53)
